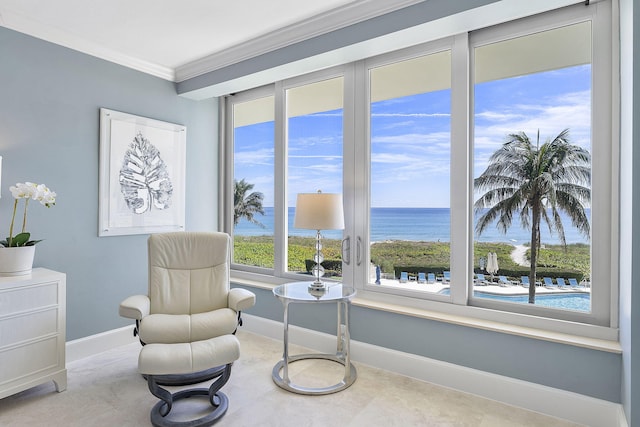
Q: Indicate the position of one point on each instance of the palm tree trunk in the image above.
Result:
(535, 226)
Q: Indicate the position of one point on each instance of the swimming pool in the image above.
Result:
(570, 301)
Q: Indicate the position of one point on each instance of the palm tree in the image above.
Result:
(246, 205)
(535, 182)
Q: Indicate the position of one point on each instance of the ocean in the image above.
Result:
(416, 224)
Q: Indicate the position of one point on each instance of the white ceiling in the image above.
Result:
(163, 37)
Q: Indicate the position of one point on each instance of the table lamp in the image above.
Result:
(319, 211)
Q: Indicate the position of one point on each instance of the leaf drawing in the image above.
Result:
(144, 180)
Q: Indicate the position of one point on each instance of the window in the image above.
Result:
(253, 181)
(532, 167)
(408, 138)
(314, 162)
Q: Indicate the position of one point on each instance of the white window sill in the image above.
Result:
(610, 346)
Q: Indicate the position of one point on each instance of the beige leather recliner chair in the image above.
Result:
(189, 297)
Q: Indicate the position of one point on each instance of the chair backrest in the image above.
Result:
(524, 279)
(188, 272)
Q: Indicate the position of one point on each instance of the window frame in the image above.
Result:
(604, 200)
(227, 173)
(441, 45)
(603, 320)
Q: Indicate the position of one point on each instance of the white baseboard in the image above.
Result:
(95, 344)
(574, 407)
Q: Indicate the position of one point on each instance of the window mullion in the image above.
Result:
(280, 183)
(361, 199)
(461, 253)
(225, 172)
(604, 203)
(349, 163)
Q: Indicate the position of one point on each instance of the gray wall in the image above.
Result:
(630, 268)
(49, 133)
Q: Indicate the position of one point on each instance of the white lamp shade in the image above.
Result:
(319, 211)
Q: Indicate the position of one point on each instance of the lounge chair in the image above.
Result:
(503, 281)
(480, 280)
(446, 276)
(548, 283)
(422, 278)
(561, 283)
(431, 278)
(573, 283)
(404, 277)
(524, 281)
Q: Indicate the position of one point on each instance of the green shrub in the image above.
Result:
(332, 267)
(413, 257)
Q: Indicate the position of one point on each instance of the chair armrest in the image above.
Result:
(241, 299)
(135, 307)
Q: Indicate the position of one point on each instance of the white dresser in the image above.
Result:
(32, 331)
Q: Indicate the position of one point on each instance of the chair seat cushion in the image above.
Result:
(186, 358)
(182, 328)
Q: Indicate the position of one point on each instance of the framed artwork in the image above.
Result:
(142, 175)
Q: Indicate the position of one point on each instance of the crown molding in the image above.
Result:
(49, 33)
(334, 19)
(324, 23)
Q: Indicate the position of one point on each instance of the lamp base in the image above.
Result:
(317, 286)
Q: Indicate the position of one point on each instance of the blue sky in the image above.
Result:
(410, 141)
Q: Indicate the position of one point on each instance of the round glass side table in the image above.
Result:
(299, 292)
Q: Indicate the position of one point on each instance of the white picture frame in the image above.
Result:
(142, 175)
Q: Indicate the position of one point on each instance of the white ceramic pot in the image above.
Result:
(16, 261)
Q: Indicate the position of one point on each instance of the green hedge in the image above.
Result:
(332, 267)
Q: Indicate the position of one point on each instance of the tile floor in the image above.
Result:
(105, 390)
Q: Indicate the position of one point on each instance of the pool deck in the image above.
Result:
(491, 289)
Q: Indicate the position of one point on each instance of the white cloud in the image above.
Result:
(570, 110)
(413, 115)
(257, 157)
(498, 116)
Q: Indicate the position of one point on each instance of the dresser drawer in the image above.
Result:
(28, 326)
(17, 300)
(19, 362)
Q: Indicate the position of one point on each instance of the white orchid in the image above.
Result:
(45, 196)
(27, 191)
(22, 191)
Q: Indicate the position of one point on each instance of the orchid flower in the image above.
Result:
(27, 191)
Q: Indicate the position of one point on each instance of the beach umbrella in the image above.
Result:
(489, 267)
(495, 263)
(492, 264)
